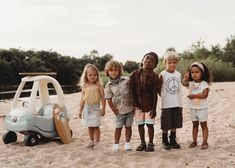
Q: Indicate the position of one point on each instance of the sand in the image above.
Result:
(221, 151)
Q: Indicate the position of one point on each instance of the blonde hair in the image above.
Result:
(169, 55)
(113, 64)
(84, 79)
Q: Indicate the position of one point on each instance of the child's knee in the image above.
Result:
(150, 126)
(195, 124)
(204, 125)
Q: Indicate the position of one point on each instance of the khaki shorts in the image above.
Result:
(143, 117)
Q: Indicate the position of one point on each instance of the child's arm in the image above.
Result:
(111, 105)
(202, 95)
(160, 84)
(155, 92)
(133, 90)
(185, 81)
(101, 90)
(81, 105)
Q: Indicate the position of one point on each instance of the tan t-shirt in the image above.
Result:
(91, 95)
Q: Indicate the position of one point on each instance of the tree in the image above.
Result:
(171, 49)
(229, 50)
(130, 66)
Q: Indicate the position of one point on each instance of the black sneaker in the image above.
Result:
(175, 145)
(166, 146)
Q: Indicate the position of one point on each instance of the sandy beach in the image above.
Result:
(221, 151)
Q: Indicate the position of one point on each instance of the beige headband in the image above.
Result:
(197, 64)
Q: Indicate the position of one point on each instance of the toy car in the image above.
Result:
(34, 117)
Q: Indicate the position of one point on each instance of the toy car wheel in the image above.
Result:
(9, 137)
(31, 139)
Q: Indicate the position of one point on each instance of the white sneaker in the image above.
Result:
(90, 144)
(96, 144)
(127, 146)
(116, 147)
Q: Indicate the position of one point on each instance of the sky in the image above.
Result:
(126, 29)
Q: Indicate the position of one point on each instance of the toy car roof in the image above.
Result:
(37, 73)
(37, 76)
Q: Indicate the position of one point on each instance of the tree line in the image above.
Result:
(220, 60)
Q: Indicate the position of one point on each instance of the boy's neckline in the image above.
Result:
(167, 70)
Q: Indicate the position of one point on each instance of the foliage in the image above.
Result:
(220, 61)
(130, 66)
(68, 69)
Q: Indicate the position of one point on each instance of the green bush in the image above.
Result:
(221, 71)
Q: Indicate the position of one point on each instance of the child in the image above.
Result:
(92, 95)
(171, 116)
(117, 92)
(145, 85)
(197, 80)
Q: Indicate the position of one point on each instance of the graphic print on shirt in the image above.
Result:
(172, 85)
(196, 89)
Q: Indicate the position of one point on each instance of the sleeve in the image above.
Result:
(159, 83)
(108, 93)
(133, 89)
(205, 85)
(155, 92)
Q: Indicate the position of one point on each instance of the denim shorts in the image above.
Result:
(200, 115)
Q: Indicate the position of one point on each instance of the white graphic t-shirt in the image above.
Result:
(197, 88)
(171, 92)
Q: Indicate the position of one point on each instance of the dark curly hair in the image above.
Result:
(154, 55)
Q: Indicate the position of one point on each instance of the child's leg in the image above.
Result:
(141, 133)
(165, 143)
(204, 132)
(97, 134)
(128, 134)
(91, 136)
(150, 147)
(195, 131)
(142, 146)
(150, 132)
(117, 135)
(91, 133)
(173, 142)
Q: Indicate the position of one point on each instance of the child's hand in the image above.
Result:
(186, 76)
(153, 114)
(102, 112)
(80, 115)
(137, 108)
(191, 96)
(116, 112)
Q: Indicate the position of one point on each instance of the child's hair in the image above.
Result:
(84, 79)
(113, 64)
(206, 75)
(169, 55)
(154, 55)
